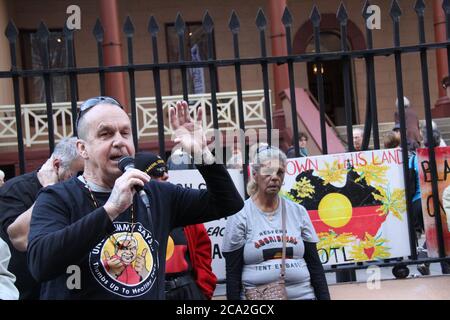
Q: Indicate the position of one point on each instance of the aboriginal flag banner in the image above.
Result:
(356, 202)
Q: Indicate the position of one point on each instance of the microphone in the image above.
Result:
(126, 163)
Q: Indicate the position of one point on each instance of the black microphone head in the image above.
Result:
(125, 163)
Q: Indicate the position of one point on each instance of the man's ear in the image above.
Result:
(56, 164)
(81, 148)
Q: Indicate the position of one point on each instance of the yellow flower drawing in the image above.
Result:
(331, 240)
(289, 196)
(370, 248)
(373, 174)
(304, 188)
(392, 202)
(332, 173)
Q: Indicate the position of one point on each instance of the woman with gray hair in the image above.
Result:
(253, 242)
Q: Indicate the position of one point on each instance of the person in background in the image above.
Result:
(302, 142)
(247, 265)
(7, 289)
(411, 121)
(179, 160)
(446, 200)
(2, 178)
(358, 134)
(236, 160)
(189, 274)
(391, 140)
(17, 198)
(423, 132)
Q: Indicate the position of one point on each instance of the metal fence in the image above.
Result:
(212, 64)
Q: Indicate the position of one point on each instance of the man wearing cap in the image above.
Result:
(75, 223)
(189, 274)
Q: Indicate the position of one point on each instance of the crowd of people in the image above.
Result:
(133, 234)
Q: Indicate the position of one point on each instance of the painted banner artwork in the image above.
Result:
(443, 171)
(356, 202)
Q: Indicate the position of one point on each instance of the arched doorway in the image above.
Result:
(332, 79)
(330, 41)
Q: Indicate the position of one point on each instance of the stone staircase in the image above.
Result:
(442, 123)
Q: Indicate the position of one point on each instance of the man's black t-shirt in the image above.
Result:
(17, 195)
(81, 254)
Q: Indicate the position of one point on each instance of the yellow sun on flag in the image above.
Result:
(170, 248)
(335, 210)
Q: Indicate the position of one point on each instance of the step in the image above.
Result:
(442, 123)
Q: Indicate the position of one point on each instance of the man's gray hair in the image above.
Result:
(66, 151)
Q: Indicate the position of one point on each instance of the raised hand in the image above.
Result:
(47, 174)
(187, 132)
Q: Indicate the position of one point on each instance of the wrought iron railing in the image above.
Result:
(369, 56)
(35, 124)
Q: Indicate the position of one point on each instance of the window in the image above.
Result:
(31, 59)
(195, 49)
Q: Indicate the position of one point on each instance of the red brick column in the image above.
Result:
(112, 49)
(442, 106)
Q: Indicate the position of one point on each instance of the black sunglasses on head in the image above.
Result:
(89, 103)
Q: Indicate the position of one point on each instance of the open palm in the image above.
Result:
(187, 132)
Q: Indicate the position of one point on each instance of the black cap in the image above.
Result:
(150, 163)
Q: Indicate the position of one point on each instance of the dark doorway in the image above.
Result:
(332, 79)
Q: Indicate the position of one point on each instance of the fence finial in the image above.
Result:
(234, 24)
(153, 27)
(180, 26)
(261, 21)
(365, 14)
(419, 7)
(315, 16)
(287, 17)
(128, 27)
(98, 31)
(11, 32)
(208, 23)
(342, 15)
(395, 10)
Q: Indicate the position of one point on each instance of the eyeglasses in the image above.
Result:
(159, 171)
(93, 102)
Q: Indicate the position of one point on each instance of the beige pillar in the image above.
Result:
(6, 88)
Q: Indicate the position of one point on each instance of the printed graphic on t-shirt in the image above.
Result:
(125, 263)
(277, 253)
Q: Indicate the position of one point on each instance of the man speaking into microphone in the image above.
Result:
(92, 237)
